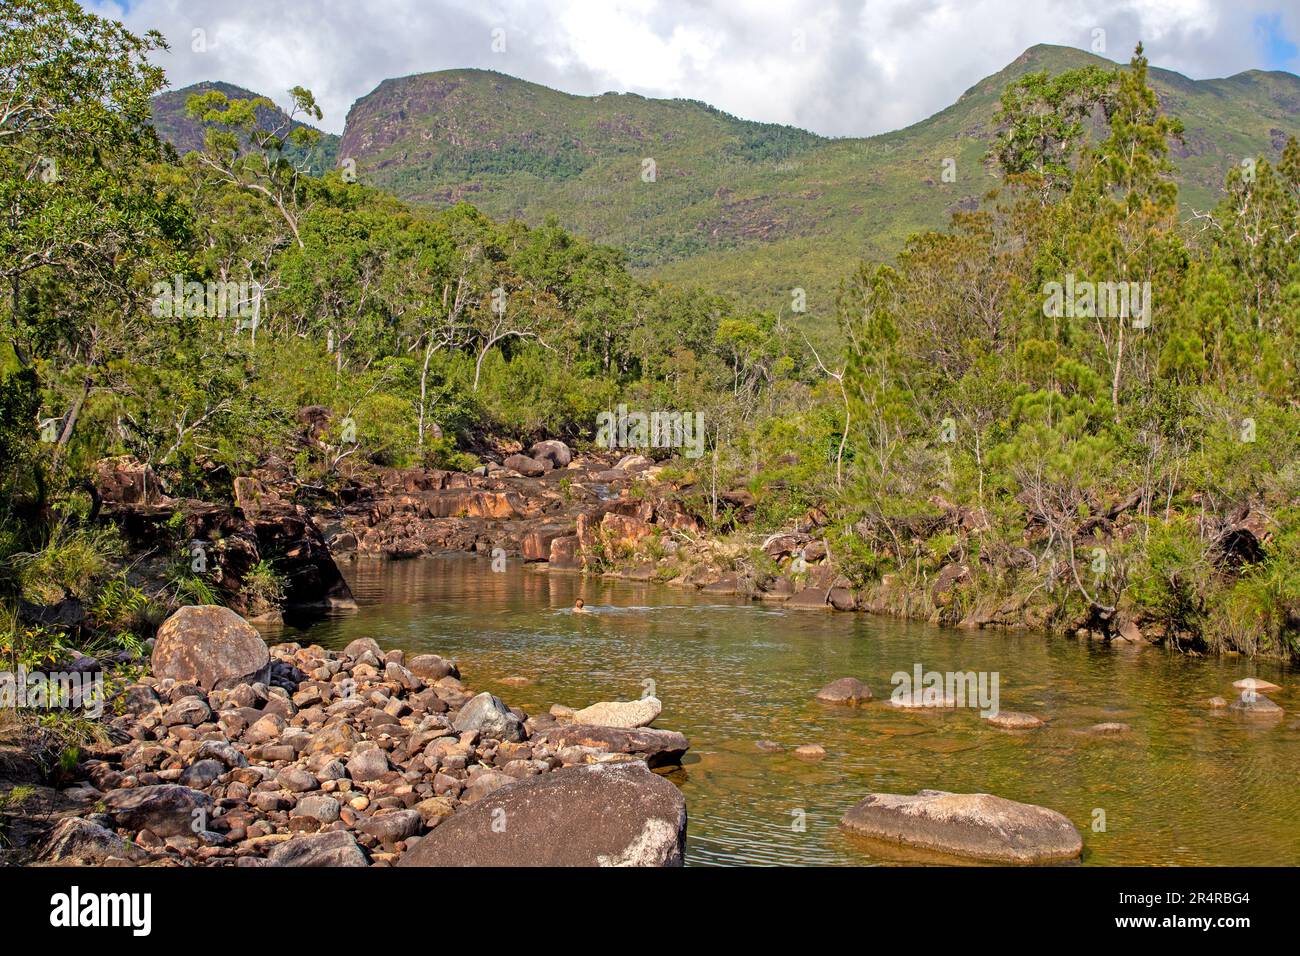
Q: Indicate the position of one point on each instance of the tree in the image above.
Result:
(1043, 120)
(81, 225)
(245, 150)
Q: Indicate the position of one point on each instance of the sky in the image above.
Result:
(836, 67)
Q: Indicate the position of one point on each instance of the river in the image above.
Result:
(1187, 786)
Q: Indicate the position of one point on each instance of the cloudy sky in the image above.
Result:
(837, 67)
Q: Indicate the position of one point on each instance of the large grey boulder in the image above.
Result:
(528, 467)
(167, 809)
(620, 713)
(78, 842)
(489, 717)
(556, 452)
(976, 825)
(618, 814)
(212, 647)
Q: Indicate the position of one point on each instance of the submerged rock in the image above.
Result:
(810, 752)
(1109, 728)
(1014, 720)
(1257, 705)
(598, 815)
(846, 690)
(976, 825)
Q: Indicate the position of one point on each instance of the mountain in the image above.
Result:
(752, 207)
(756, 209)
(186, 134)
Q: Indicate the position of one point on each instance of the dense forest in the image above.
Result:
(1103, 459)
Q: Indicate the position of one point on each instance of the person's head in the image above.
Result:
(578, 603)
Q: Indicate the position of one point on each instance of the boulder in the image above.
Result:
(528, 467)
(391, 827)
(564, 554)
(626, 714)
(812, 599)
(330, 848)
(431, 667)
(126, 481)
(167, 809)
(77, 842)
(556, 452)
(659, 748)
(598, 815)
(487, 716)
(212, 647)
(975, 825)
(1255, 705)
(368, 764)
(846, 690)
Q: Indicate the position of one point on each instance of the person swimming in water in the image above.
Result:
(579, 607)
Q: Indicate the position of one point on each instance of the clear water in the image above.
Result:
(1188, 785)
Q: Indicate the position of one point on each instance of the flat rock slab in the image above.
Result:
(809, 599)
(1014, 720)
(1109, 728)
(1258, 706)
(331, 848)
(660, 748)
(598, 815)
(976, 825)
(627, 714)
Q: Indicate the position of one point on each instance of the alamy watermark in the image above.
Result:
(213, 300)
(59, 690)
(1098, 300)
(624, 429)
(923, 688)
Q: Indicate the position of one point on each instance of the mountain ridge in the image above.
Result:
(752, 208)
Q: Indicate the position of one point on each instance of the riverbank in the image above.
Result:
(629, 517)
(740, 678)
(233, 754)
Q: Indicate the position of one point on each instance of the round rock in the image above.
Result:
(212, 647)
(846, 690)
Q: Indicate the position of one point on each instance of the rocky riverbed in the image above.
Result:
(233, 754)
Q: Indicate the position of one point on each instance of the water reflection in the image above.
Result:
(1187, 785)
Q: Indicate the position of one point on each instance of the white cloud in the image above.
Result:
(838, 67)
